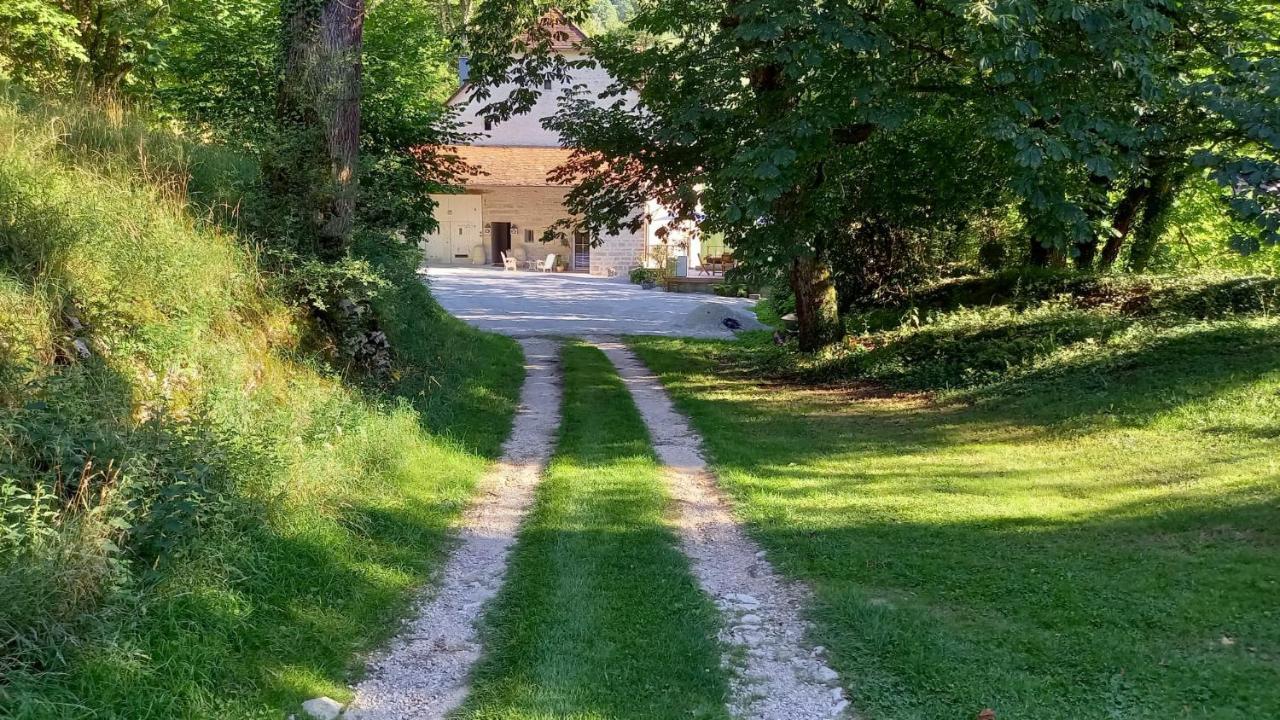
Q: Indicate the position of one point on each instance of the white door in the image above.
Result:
(459, 231)
(436, 246)
(461, 242)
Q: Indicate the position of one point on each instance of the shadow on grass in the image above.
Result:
(1140, 613)
(599, 616)
(1046, 553)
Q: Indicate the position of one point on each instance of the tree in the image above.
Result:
(759, 113)
(1211, 111)
(37, 41)
(765, 130)
(319, 100)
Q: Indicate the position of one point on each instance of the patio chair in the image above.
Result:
(509, 263)
(702, 265)
(546, 265)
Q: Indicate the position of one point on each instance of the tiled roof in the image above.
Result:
(564, 34)
(511, 166)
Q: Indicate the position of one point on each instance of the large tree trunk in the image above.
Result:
(1040, 256)
(817, 306)
(1164, 189)
(320, 98)
(1122, 221)
(1085, 253)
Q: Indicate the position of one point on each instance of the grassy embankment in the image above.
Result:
(198, 517)
(599, 617)
(1074, 514)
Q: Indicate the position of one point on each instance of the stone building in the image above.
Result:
(511, 201)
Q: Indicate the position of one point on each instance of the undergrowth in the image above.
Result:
(199, 515)
(977, 334)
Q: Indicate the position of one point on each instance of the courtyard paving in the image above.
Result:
(528, 304)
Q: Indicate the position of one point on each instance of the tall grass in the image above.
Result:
(198, 517)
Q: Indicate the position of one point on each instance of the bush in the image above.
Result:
(738, 290)
(642, 276)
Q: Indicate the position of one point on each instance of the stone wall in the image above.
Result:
(619, 252)
(533, 210)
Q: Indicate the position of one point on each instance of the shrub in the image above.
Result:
(642, 276)
(738, 290)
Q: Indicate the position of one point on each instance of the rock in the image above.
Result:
(751, 619)
(760, 555)
(82, 348)
(840, 707)
(827, 675)
(753, 639)
(818, 649)
(322, 708)
(837, 694)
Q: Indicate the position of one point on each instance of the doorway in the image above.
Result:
(581, 251)
(501, 238)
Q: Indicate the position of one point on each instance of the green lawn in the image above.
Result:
(599, 617)
(1095, 541)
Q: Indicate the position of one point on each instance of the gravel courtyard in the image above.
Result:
(525, 304)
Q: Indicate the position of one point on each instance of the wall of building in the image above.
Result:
(526, 129)
(532, 210)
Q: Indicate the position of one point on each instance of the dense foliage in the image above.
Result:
(221, 68)
(857, 144)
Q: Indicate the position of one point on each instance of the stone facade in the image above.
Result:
(534, 209)
(618, 253)
(518, 191)
(525, 130)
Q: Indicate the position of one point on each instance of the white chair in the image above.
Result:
(509, 263)
(546, 265)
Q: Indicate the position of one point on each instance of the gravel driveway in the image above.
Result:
(525, 304)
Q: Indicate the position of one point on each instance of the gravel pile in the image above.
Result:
(710, 318)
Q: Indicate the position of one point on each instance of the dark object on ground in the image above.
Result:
(731, 323)
(648, 285)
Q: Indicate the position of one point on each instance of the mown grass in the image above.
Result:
(599, 617)
(200, 518)
(1092, 535)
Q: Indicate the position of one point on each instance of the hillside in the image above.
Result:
(199, 516)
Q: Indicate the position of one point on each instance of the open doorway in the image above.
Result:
(500, 237)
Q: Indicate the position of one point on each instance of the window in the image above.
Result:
(488, 124)
(528, 236)
(547, 84)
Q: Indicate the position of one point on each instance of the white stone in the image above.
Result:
(839, 707)
(827, 675)
(751, 620)
(322, 708)
(837, 694)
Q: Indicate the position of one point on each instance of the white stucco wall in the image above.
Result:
(526, 129)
